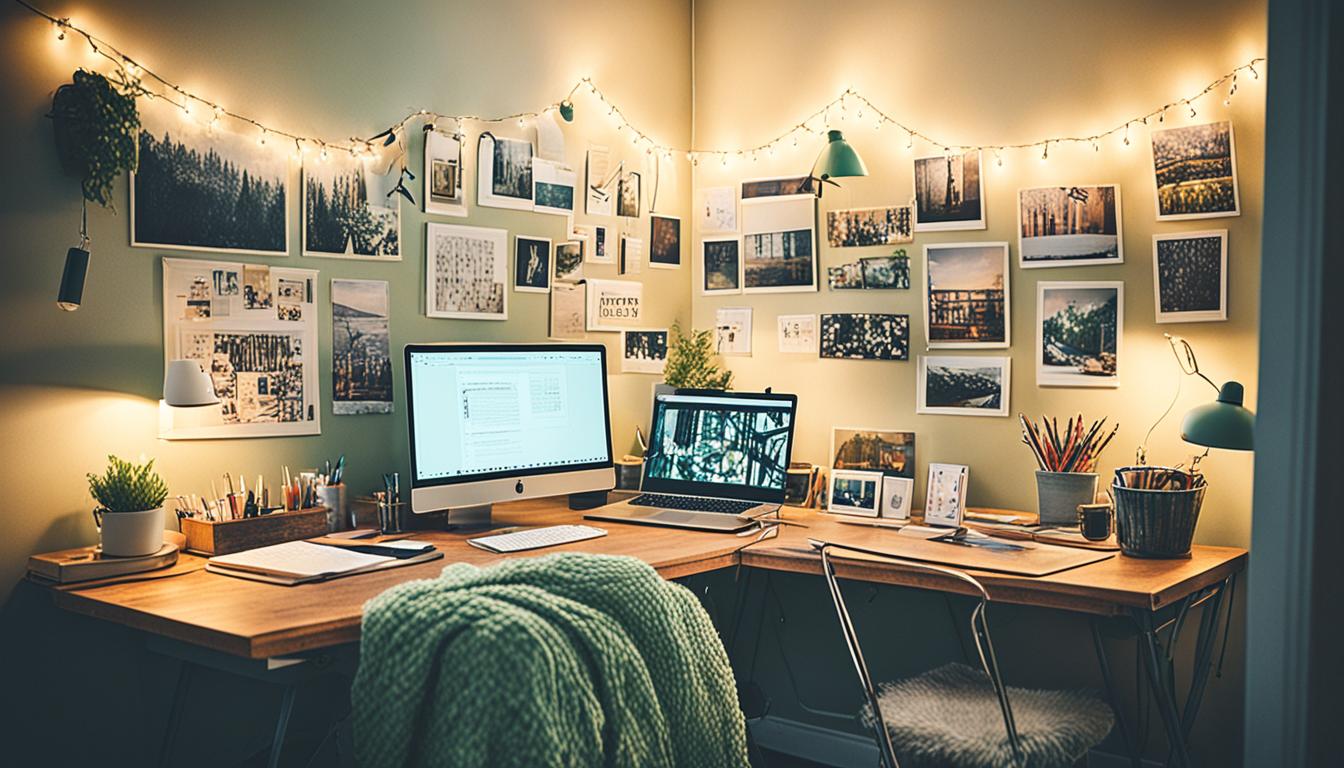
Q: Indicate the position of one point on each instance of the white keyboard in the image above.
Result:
(536, 538)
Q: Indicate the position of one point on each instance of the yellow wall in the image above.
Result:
(76, 387)
(1001, 73)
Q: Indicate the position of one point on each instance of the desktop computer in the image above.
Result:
(504, 422)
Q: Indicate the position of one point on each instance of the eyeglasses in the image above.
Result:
(1185, 357)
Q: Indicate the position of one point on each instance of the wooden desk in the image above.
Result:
(1111, 587)
(256, 620)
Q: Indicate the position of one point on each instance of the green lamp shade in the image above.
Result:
(838, 159)
(567, 110)
(1224, 423)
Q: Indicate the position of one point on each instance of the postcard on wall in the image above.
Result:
(361, 355)
(732, 330)
(531, 264)
(628, 195)
(443, 174)
(963, 386)
(643, 351)
(886, 272)
(567, 315)
(180, 199)
(888, 451)
(664, 242)
(264, 368)
(949, 193)
(721, 265)
(614, 304)
(553, 187)
(600, 184)
(945, 495)
(1195, 172)
(597, 243)
(1069, 226)
(503, 173)
(466, 272)
(797, 334)
(966, 300)
(859, 227)
(845, 277)
(779, 253)
(347, 213)
(1079, 333)
(865, 336)
(718, 210)
(631, 257)
(1190, 276)
(568, 260)
(779, 186)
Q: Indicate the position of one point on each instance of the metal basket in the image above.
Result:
(1156, 524)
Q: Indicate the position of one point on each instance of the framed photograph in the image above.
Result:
(888, 451)
(1190, 276)
(631, 259)
(845, 277)
(1195, 172)
(664, 242)
(797, 334)
(600, 184)
(718, 210)
(361, 357)
(859, 227)
(886, 272)
(1069, 226)
(1079, 333)
(732, 331)
(963, 386)
(865, 336)
(568, 311)
(779, 186)
(945, 495)
(181, 201)
(897, 493)
(504, 173)
(855, 493)
(628, 196)
(779, 245)
(347, 213)
(443, 174)
(614, 304)
(568, 260)
(721, 260)
(966, 299)
(531, 264)
(553, 187)
(466, 270)
(643, 351)
(949, 193)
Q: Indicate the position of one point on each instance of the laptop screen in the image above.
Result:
(723, 444)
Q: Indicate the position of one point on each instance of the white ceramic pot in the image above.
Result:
(130, 534)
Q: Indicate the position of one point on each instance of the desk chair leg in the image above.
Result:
(1155, 665)
(281, 725)
(176, 708)
(1135, 759)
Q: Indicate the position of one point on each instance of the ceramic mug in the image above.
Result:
(130, 534)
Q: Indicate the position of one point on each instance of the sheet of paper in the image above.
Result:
(299, 558)
(550, 138)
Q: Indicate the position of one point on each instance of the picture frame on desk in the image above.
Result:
(945, 495)
(855, 493)
(897, 493)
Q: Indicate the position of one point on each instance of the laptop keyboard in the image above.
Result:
(692, 503)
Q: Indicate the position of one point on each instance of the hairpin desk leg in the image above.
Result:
(282, 725)
(1135, 759)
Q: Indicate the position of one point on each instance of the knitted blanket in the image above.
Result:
(561, 660)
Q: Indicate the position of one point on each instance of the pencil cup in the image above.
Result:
(797, 483)
(1157, 524)
(628, 473)
(1058, 495)
(338, 509)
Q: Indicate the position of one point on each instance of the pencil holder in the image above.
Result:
(224, 537)
(333, 498)
(628, 473)
(1058, 495)
(1156, 524)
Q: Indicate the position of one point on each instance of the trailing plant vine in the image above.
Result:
(97, 131)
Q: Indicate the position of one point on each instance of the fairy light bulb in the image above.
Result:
(323, 156)
(521, 122)
(1045, 152)
(186, 110)
(1193, 113)
(998, 159)
(261, 140)
(60, 30)
(909, 140)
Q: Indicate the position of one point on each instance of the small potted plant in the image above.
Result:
(129, 514)
(690, 361)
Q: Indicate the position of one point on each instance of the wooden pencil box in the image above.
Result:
(228, 536)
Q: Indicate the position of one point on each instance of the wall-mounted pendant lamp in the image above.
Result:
(76, 268)
(837, 160)
(187, 385)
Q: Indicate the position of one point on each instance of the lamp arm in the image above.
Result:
(1201, 375)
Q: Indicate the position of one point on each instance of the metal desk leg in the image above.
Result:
(1162, 690)
(1208, 634)
(1135, 759)
(281, 725)
(178, 705)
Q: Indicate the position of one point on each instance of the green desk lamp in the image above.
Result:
(837, 160)
(1224, 423)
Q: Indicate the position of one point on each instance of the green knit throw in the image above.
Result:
(561, 660)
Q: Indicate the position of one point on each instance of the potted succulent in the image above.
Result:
(129, 514)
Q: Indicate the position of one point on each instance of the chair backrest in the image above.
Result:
(984, 645)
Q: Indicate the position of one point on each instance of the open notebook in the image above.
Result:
(300, 562)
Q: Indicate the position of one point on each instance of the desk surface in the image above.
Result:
(258, 620)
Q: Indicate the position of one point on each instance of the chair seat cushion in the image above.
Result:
(950, 717)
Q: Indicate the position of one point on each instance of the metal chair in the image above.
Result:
(1060, 707)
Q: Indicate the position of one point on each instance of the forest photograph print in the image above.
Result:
(347, 212)
(196, 191)
(1069, 226)
(1079, 327)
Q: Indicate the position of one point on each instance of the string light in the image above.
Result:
(142, 81)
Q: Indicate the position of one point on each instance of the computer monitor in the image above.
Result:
(733, 445)
(502, 422)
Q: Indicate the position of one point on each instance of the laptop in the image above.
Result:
(716, 460)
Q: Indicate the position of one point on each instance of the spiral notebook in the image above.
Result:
(303, 562)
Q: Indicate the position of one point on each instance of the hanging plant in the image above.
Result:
(97, 133)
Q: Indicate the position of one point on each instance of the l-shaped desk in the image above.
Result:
(255, 628)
